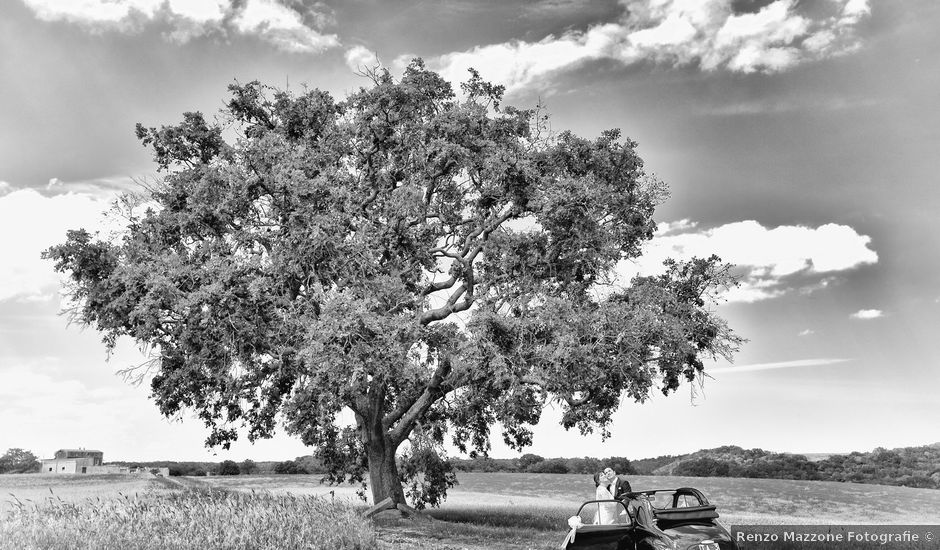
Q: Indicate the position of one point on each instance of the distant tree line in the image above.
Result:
(535, 464)
(21, 461)
(908, 467)
(300, 465)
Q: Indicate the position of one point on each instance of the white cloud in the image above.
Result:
(765, 256)
(799, 363)
(675, 32)
(820, 41)
(5, 188)
(867, 314)
(855, 10)
(750, 290)
(806, 332)
(759, 41)
(776, 106)
(30, 223)
(199, 11)
(48, 406)
(93, 11)
(517, 64)
(282, 26)
(681, 226)
(360, 58)
(290, 29)
(774, 23)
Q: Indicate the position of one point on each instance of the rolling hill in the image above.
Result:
(906, 466)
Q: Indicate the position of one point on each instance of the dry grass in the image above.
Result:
(470, 529)
(28, 488)
(739, 500)
(186, 520)
(509, 511)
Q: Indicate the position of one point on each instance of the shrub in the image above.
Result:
(290, 467)
(248, 466)
(186, 469)
(18, 461)
(703, 467)
(550, 466)
(228, 468)
(527, 460)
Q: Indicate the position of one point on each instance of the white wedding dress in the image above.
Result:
(606, 511)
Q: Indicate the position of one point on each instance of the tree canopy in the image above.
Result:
(425, 264)
(228, 468)
(18, 461)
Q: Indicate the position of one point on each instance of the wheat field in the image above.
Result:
(739, 500)
(513, 511)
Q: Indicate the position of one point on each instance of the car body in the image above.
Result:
(658, 519)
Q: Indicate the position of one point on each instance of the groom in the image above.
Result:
(619, 486)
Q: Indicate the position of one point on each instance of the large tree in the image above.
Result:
(428, 264)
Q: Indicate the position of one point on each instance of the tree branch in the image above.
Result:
(449, 308)
(575, 403)
(432, 392)
(534, 380)
(442, 285)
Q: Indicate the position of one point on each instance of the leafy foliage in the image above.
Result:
(428, 474)
(290, 467)
(909, 466)
(531, 463)
(550, 466)
(415, 257)
(248, 466)
(186, 469)
(228, 468)
(18, 461)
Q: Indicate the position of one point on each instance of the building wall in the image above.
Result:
(58, 466)
(67, 466)
(97, 457)
(91, 464)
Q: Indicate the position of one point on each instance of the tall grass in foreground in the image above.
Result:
(187, 520)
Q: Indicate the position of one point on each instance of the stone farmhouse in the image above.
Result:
(73, 461)
(88, 461)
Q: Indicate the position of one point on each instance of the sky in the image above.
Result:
(800, 141)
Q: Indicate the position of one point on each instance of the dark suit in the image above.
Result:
(619, 487)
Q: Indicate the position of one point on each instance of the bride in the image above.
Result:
(606, 511)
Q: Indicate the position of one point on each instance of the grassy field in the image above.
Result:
(37, 488)
(187, 519)
(530, 511)
(511, 511)
(740, 501)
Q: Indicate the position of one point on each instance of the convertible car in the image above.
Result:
(674, 519)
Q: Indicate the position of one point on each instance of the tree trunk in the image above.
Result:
(383, 470)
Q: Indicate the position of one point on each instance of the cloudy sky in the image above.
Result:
(800, 139)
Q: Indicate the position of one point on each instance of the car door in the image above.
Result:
(601, 525)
